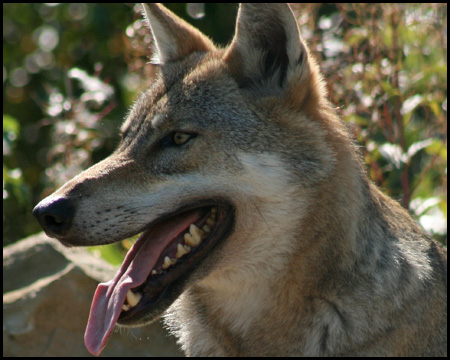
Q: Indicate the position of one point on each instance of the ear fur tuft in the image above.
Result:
(174, 37)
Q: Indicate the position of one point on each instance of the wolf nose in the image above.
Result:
(55, 216)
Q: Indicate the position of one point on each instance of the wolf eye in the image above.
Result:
(180, 138)
(177, 138)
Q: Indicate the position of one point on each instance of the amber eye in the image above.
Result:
(180, 138)
(176, 138)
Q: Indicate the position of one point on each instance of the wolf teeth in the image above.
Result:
(195, 235)
(182, 250)
(168, 262)
(132, 300)
(211, 220)
(196, 232)
(206, 228)
(193, 238)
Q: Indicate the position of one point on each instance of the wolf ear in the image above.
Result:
(174, 37)
(267, 50)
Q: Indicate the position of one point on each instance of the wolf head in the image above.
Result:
(238, 139)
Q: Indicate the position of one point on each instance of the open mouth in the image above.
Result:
(156, 268)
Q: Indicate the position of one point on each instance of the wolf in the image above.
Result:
(261, 232)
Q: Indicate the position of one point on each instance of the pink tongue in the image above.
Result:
(140, 260)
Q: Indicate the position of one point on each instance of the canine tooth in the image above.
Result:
(168, 262)
(182, 250)
(133, 298)
(191, 240)
(126, 307)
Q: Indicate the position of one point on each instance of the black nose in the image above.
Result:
(54, 215)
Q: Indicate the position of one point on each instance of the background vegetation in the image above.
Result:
(70, 71)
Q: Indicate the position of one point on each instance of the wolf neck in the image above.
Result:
(285, 279)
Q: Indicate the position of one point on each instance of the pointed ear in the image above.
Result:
(267, 51)
(174, 37)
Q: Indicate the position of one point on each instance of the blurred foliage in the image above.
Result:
(386, 70)
(71, 70)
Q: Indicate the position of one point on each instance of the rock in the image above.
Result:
(47, 294)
